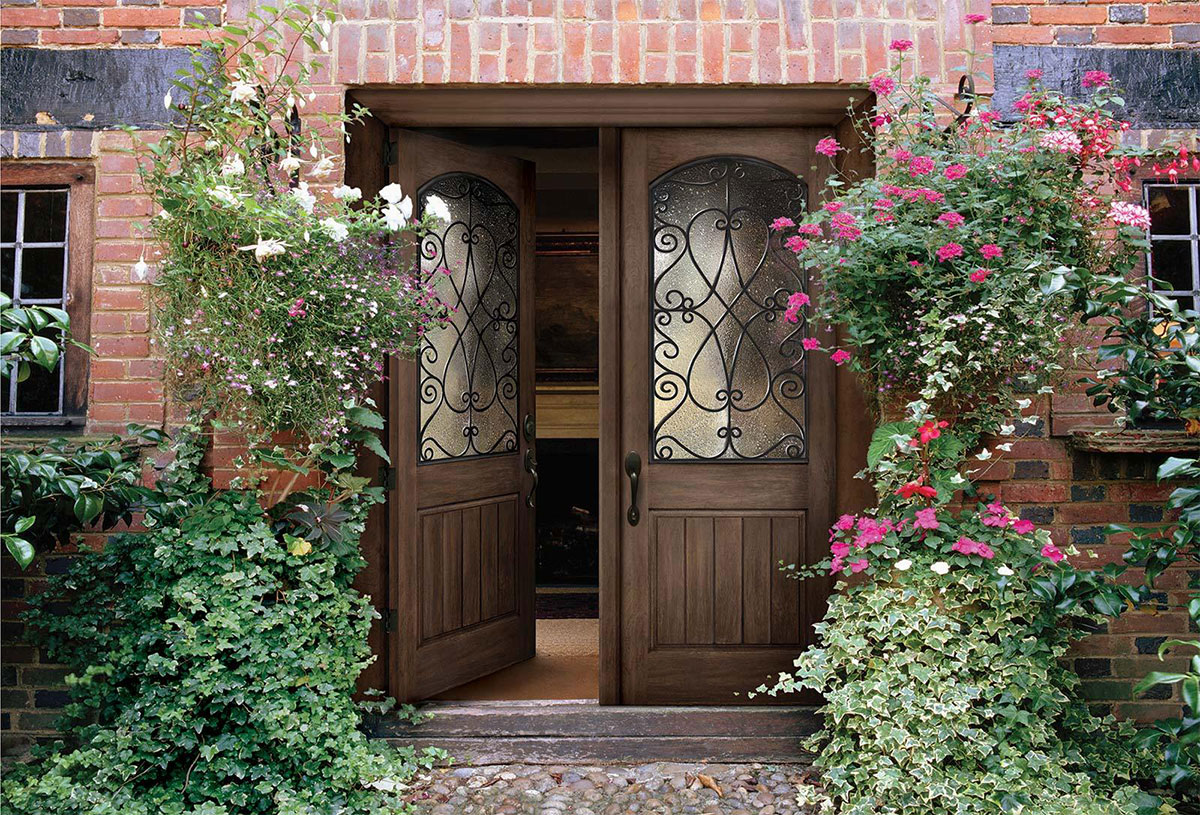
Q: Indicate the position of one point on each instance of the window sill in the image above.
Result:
(1133, 440)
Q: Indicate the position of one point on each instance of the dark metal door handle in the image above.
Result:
(529, 429)
(633, 469)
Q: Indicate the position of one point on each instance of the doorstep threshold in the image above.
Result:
(581, 731)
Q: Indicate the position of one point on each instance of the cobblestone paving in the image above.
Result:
(677, 789)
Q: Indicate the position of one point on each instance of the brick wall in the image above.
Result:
(600, 42)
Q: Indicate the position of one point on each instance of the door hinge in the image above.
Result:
(387, 475)
(389, 620)
(391, 154)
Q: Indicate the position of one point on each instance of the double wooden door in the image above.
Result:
(724, 421)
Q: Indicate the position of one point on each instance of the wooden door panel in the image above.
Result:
(715, 581)
(467, 575)
(464, 540)
(733, 423)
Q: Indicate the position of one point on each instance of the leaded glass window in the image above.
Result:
(1174, 258)
(728, 372)
(33, 267)
(469, 369)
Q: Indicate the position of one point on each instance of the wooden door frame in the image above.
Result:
(610, 108)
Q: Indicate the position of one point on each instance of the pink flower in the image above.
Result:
(840, 549)
(1062, 141)
(782, 223)
(1034, 74)
(857, 566)
(926, 519)
(972, 19)
(949, 250)
(1127, 214)
(810, 343)
(828, 147)
(882, 85)
(996, 515)
(932, 196)
(1052, 553)
(951, 219)
(839, 356)
(832, 206)
(883, 203)
(835, 565)
(796, 301)
(900, 156)
(845, 523)
(955, 171)
(920, 165)
(796, 243)
(1022, 527)
(900, 46)
(869, 531)
(1096, 79)
(812, 230)
(990, 251)
(980, 275)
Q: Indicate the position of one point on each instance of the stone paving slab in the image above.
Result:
(659, 788)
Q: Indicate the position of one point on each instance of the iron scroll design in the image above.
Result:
(727, 370)
(469, 370)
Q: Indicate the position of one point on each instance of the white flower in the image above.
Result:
(243, 91)
(323, 167)
(290, 165)
(164, 215)
(903, 565)
(438, 208)
(395, 216)
(1007, 429)
(1006, 447)
(225, 194)
(1004, 571)
(232, 166)
(1024, 403)
(984, 454)
(265, 248)
(940, 567)
(391, 193)
(305, 198)
(344, 193)
(140, 268)
(167, 101)
(336, 229)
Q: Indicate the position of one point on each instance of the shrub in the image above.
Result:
(213, 665)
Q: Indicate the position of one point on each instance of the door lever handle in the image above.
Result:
(529, 430)
(633, 469)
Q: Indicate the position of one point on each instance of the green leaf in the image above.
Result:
(372, 443)
(21, 550)
(365, 417)
(88, 507)
(882, 443)
(45, 351)
(10, 341)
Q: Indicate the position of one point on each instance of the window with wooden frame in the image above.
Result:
(1174, 258)
(46, 259)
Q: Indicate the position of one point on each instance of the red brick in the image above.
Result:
(630, 52)
(713, 39)
(127, 391)
(79, 36)
(1068, 15)
(125, 347)
(1133, 34)
(1016, 492)
(1022, 35)
(16, 17)
(142, 17)
(1180, 13)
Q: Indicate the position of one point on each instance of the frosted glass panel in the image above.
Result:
(469, 369)
(728, 370)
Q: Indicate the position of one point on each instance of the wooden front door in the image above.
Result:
(726, 423)
(463, 425)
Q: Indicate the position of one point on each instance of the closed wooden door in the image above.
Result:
(463, 425)
(726, 421)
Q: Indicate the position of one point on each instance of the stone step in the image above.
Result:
(583, 732)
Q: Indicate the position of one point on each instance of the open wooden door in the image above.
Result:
(726, 422)
(462, 426)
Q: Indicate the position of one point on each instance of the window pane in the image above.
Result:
(8, 259)
(469, 372)
(42, 273)
(46, 216)
(38, 393)
(1171, 262)
(1169, 211)
(727, 369)
(8, 217)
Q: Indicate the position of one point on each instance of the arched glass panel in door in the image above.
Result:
(468, 372)
(728, 374)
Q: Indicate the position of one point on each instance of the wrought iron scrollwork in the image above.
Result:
(728, 372)
(468, 375)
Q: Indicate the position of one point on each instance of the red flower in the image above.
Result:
(839, 356)
(1096, 79)
(828, 147)
(900, 46)
(980, 275)
(972, 19)
(916, 488)
(948, 251)
(931, 430)
(990, 251)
